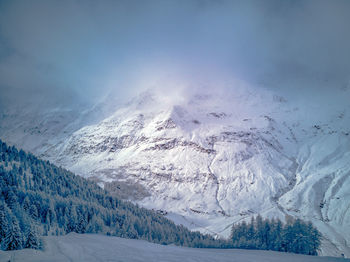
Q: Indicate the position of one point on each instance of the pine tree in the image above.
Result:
(72, 220)
(81, 226)
(296, 236)
(33, 211)
(32, 239)
(13, 238)
(266, 234)
(276, 235)
(26, 204)
(314, 239)
(259, 231)
(3, 221)
(251, 229)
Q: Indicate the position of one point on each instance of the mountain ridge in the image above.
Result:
(215, 159)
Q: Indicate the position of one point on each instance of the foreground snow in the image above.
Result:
(89, 247)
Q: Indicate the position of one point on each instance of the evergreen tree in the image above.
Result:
(296, 236)
(81, 226)
(3, 220)
(276, 235)
(13, 236)
(314, 239)
(32, 239)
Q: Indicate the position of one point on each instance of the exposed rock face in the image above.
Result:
(216, 160)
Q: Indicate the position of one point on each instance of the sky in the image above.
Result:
(74, 51)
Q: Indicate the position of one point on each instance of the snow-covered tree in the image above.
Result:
(13, 237)
(295, 236)
(3, 220)
(32, 239)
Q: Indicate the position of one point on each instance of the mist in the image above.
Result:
(77, 52)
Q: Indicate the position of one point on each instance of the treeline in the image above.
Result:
(295, 236)
(38, 198)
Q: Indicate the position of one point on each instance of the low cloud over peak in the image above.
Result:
(68, 51)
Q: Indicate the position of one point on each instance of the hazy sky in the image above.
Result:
(70, 51)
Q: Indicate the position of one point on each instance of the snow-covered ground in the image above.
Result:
(91, 247)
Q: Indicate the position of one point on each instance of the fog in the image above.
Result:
(73, 52)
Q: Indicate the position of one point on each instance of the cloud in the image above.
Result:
(78, 50)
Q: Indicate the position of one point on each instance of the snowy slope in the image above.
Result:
(214, 159)
(75, 247)
(35, 128)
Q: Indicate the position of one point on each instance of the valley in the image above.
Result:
(212, 160)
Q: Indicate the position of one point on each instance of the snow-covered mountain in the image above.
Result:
(211, 159)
